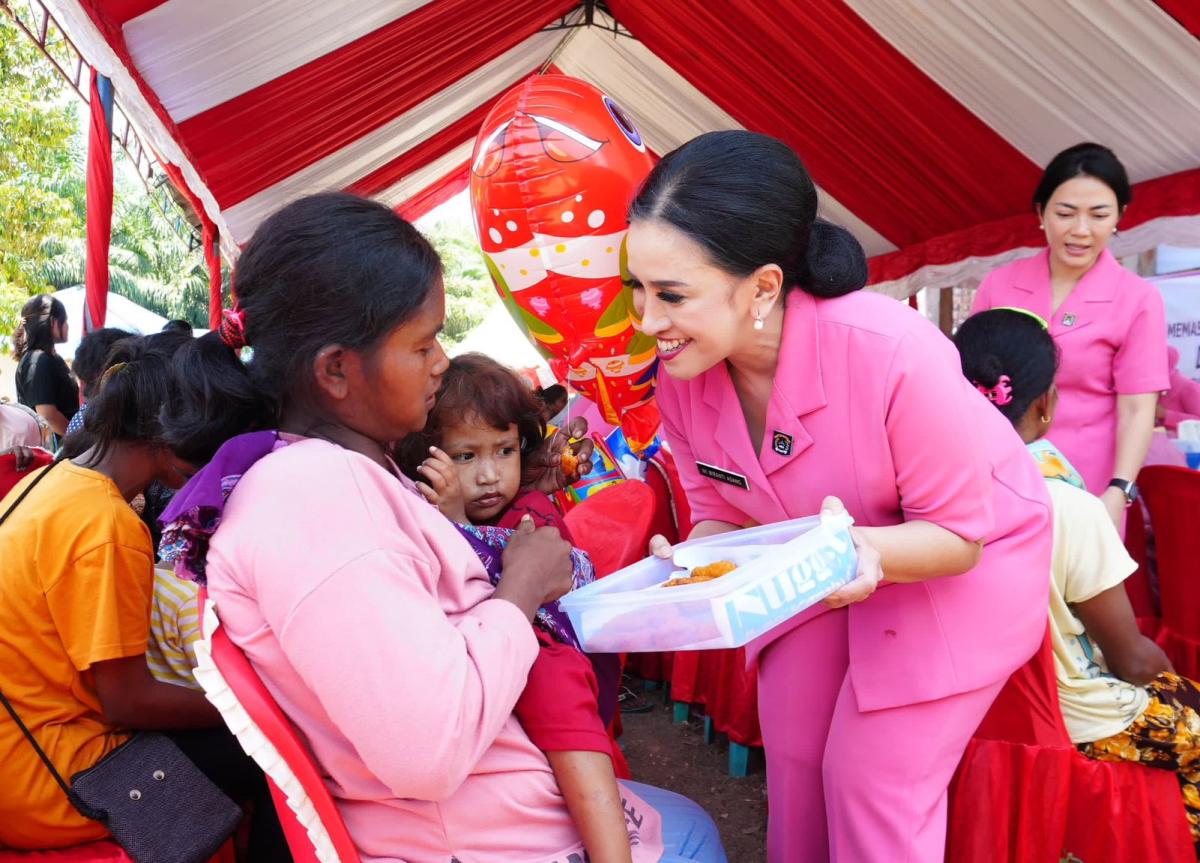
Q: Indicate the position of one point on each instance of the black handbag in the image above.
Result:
(157, 804)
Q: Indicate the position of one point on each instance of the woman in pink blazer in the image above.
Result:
(780, 386)
(1109, 324)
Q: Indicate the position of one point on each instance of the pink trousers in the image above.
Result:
(846, 786)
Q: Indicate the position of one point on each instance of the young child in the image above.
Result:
(1119, 696)
(473, 462)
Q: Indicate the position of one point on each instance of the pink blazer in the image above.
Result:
(1112, 334)
(870, 404)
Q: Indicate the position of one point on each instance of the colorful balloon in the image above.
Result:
(554, 169)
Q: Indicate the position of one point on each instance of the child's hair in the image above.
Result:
(131, 392)
(328, 269)
(478, 389)
(91, 354)
(551, 394)
(1007, 343)
(35, 332)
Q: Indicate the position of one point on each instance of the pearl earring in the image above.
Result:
(758, 323)
(1046, 419)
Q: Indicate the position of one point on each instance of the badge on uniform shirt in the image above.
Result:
(1068, 320)
(782, 443)
(721, 475)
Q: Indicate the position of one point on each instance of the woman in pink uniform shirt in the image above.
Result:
(1108, 322)
(781, 386)
(366, 613)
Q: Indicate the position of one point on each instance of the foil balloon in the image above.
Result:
(554, 169)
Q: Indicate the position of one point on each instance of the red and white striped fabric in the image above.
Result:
(925, 123)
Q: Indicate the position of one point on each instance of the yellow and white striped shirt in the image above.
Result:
(174, 629)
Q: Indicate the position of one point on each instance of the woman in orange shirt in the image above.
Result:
(75, 596)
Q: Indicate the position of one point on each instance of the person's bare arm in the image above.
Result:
(132, 698)
(590, 790)
(1109, 621)
(54, 417)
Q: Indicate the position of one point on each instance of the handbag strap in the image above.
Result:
(3, 698)
(37, 748)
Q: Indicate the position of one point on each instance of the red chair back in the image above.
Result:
(1172, 495)
(1024, 794)
(1137, 586)
(614, 525)
(1026, 710)
(285, 759)
(9, 476)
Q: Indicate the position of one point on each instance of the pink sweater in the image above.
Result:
(371, 622)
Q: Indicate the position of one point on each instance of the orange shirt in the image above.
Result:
(76, 579)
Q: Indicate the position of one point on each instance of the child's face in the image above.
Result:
(488, 460)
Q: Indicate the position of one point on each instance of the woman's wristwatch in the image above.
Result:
(1128, 488)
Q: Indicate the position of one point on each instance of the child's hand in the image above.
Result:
(557, 462)
(442, 488)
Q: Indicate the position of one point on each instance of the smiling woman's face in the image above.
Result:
(699, 313)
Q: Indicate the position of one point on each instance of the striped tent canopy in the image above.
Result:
(925, 122)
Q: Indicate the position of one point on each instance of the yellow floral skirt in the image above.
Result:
(1166, 736)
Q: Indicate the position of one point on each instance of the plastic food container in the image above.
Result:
(804, 561)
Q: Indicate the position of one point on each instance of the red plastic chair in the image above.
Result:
(1137, 586)
(9, 476)
(102, 851)
(1172, 495)
(313, 827)
(1023, 793)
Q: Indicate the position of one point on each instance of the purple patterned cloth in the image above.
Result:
(489, 542)
(194, 514)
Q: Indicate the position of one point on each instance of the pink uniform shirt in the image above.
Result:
(372, 623)
(1112, 335)
(869, 404)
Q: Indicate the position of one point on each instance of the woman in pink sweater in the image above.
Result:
(367, 615)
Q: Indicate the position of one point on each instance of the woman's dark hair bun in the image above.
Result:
(749, 201)
(837, 264)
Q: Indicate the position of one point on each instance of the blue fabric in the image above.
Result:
(689, 834)
(76, 422)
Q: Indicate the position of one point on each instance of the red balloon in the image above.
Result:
(555, 167)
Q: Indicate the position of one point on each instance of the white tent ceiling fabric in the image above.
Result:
(668, 110)
(94, 47)
(197, 55)
(377, 148)
(1041, 75)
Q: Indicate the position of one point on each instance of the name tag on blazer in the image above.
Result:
(721, 475)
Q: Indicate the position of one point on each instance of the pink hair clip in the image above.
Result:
(1000, 394)
(233, 328)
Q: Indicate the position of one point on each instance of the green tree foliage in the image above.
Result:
(37, 155)
(43, 199)
(469, 292)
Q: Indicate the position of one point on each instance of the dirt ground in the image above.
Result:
(676, 757)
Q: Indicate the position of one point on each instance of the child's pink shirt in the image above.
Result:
(371, 622)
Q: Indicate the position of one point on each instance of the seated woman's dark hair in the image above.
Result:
(1086, 160)
(130, 393)
(91, 354)
(1013, 344)
(476, 389)
(748, 200)
(327, 269)
(35, 332)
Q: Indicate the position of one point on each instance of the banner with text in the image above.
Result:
(1181, 295)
